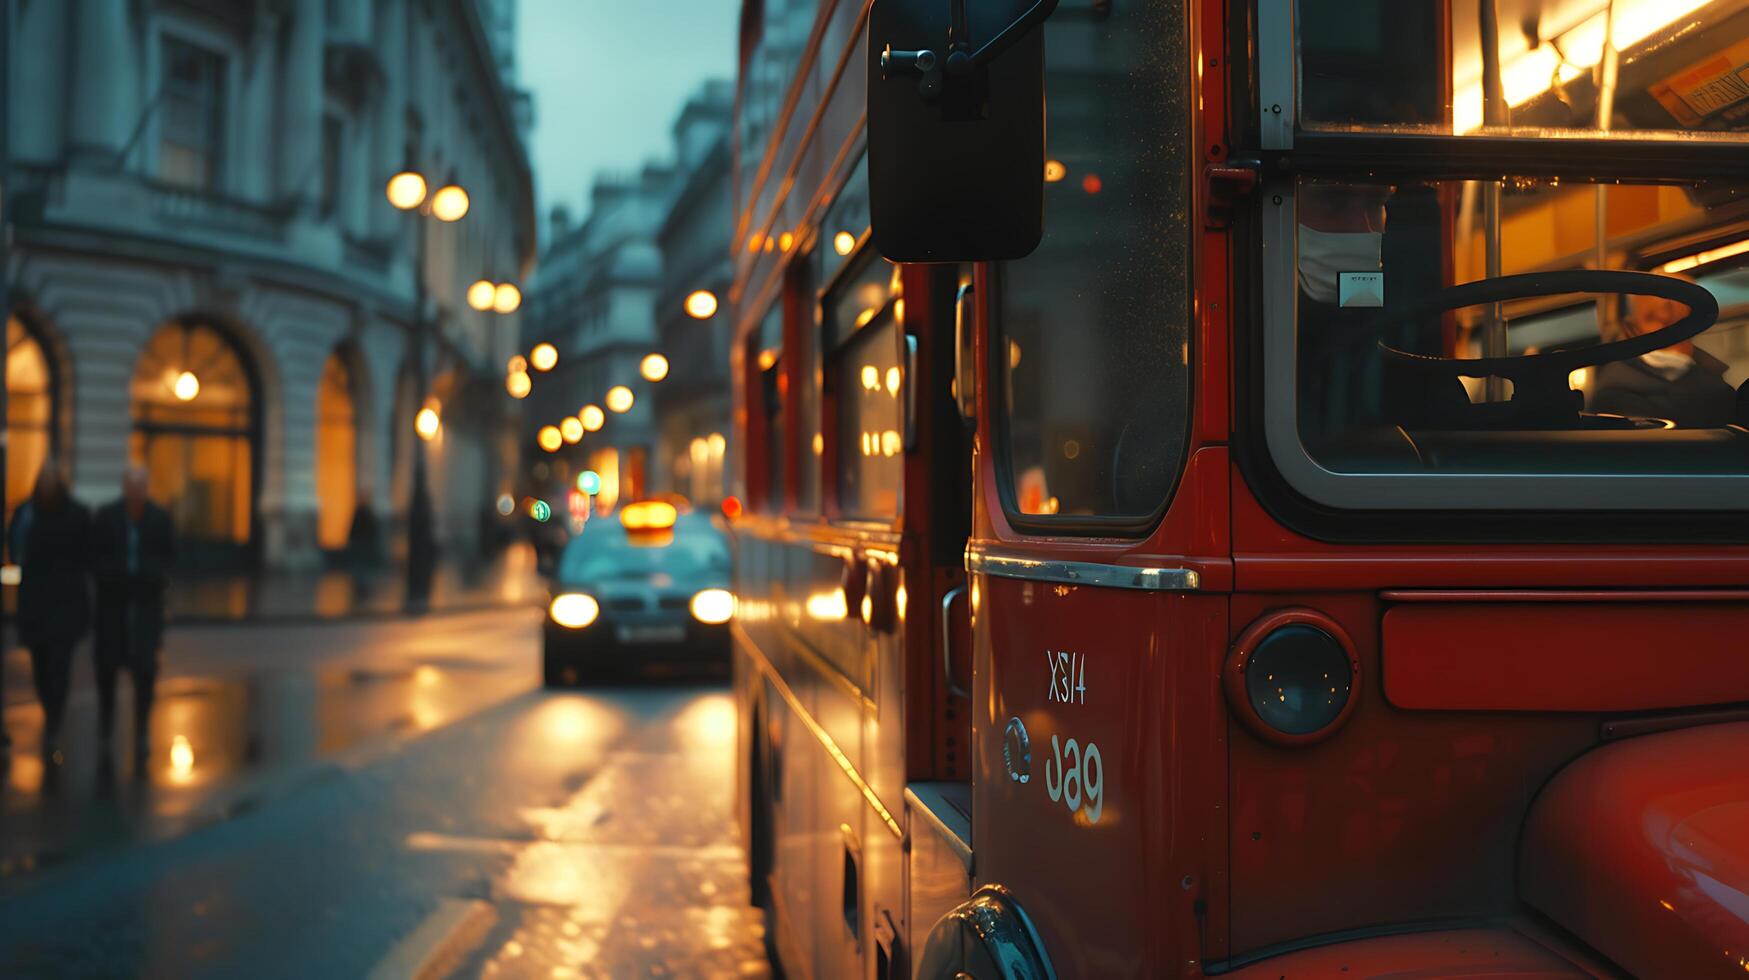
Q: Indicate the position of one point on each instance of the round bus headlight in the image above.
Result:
(713, 606)
(1291, 678)
(574, 610)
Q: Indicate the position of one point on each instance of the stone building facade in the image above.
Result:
(196, 189)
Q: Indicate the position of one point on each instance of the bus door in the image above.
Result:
(1100, 544)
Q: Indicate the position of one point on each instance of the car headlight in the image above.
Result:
(574, 610)
(713, 606)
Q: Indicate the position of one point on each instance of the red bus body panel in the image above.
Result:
(1641, 848)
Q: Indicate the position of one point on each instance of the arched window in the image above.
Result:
(336, 452)
(194, 431)
(30, 411)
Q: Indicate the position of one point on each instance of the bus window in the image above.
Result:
(1376, 374)
(842, 231)
(1384, 63)
(864, 311)
(772, 391)
(1093, 347)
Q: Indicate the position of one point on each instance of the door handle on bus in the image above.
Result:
(910, 392)
(962, 361)
(953, 688)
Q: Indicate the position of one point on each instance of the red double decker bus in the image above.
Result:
(1249, 488)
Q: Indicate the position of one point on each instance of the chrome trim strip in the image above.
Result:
(1083, 573)
(1276, 71)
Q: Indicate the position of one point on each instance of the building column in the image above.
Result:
(104, 103)
(254, 171)
(300, 146)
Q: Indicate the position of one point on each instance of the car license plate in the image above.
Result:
(651, 634)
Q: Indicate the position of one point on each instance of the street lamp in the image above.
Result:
(480, 295)
(619, 399)
(506, 298)
(701, 304)
(407, 192)
(654, 367)
(543, 357)
(592, 417)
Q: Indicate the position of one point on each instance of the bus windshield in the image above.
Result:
(1611, 314)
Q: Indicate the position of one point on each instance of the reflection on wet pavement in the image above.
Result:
(238, 709)
(639, 872)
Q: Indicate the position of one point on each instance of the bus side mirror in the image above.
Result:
(956, 128)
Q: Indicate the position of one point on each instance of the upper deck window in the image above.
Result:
(865, 379)
(1681, 65)
(1093, 344)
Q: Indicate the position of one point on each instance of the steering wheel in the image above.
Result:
(1539, 381)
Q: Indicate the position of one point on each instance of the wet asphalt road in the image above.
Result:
(357, 799)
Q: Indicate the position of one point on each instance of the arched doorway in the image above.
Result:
(195, 432)
(336, 451)
(30, 411)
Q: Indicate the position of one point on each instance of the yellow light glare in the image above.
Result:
(716, 443)
(406, 190)
(785, 241)
(893, 378)
(186, 386)
(518, 384)
(550, 438)
(480, 295)
(506, 298)
(181, 758)
(571, 430)
(592, 417)
(1688, 262)
(654, 367)
(1055, 171)
(574, 610)
(648, 515)
(767, 358)
(619, 399)
(517, 365)
(427, 423)
(871, 378)
(713, 606)
(827, 607)
(701, 304)
(543, 357)
(450, 203)
(843, 243)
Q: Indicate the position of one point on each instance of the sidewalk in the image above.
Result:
(509, 579)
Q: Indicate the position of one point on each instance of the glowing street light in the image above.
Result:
(450, 203)
(518, 364)
(427, 423)
(543, 357)
(518, 384)
(654, 367)
(480, 295)
(185, 387)
(843, 243)
(571, 430)
(406, 190)
(550, 438)
(701, 304)
(506, 298)
(592, 417)
(619, 399)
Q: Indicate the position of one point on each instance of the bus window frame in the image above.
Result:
(1262, 340)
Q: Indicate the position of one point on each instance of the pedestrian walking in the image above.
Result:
(54, 606)
(132, 546)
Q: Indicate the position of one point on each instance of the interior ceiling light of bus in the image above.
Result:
(1707, 257)
(1571, 44)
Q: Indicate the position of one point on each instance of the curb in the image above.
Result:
(440, 943)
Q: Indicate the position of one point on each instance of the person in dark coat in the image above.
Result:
(54, 605)
(132, 546)
(1681, 383)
